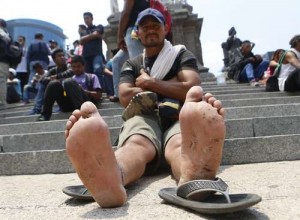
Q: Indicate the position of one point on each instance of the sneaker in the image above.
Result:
(254, 83)
(141, 103)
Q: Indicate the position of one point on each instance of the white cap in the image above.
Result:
(13, 71)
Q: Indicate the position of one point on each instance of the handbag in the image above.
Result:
(272, 82)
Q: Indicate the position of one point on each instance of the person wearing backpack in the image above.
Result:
(289, 74)
(71, 92)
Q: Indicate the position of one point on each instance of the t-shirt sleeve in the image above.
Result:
(188, 61)
(129, 71)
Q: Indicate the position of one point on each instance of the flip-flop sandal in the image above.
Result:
(214, 204)
(78, 192)
(141, 103)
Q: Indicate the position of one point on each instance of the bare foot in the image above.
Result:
(203, 133)
(89, 149)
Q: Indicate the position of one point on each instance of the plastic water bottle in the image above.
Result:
(221, 79)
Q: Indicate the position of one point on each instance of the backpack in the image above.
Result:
(89, 81)
(156, 4)
(12, 51)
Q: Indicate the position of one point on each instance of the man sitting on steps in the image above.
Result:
(71, 92)
(193, 150)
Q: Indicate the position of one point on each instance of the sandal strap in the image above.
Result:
(196, 186)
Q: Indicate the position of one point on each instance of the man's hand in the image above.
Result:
(143, 80)
(122, 44)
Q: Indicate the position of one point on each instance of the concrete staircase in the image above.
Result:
(261, 127)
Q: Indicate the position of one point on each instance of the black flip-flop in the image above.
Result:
(78, 192)
(214, 204)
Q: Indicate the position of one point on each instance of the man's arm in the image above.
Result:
(94, 94)
(97, 34)
(175, 88)
(125, 15)
(291, 58)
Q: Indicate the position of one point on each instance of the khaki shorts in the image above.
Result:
(149, 126)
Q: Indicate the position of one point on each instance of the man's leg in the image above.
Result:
(98, 69)
(247, 73)
(75, 94)
(3, 84)
(196, 153)
(117, 63)
(262, 67)
(53, 91)
(134, 47)
(102, 171)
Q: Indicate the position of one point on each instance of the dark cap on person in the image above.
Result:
(2, 22)
(150, 12)
(52, 41)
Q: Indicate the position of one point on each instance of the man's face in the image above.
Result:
(60, 59)
(88, 20)
(151, 32)
(246, 48)
(298, 45)
(77, 68)
(21, 41)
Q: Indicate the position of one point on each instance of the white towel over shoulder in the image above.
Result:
(165, 60)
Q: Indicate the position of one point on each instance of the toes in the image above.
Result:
(87, 109)
(194, 94)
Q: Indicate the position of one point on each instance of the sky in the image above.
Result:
(270, 24)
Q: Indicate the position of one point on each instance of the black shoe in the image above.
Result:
(43, 118)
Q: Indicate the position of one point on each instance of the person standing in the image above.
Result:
(4, 62)
(128, 46)
(91, 40)
(38, 51)
(22, 68)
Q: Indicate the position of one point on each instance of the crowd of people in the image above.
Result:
(244, 67)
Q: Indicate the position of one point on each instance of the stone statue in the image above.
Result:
(231, 48)
(114, 6)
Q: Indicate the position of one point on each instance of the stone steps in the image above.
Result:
(236, 151)
(261, 127)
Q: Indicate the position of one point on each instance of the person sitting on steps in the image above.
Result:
(193, 150)
(71, 92)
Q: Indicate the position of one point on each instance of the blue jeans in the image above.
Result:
(134, 47)
(117, 63)
(249, 73)
(39, 99)
(27, 90)
(94, 64)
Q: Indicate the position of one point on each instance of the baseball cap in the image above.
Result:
(150, 12)
(13, 71)
(52, 41)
